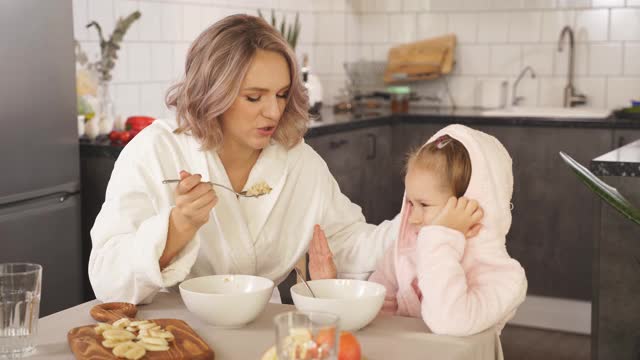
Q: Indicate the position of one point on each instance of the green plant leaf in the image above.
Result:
(289, 37)
(98, 29)
(296, 32)
(282, 25)
(602, 189)
(273, 18)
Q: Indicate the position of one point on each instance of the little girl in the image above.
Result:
(449, 264)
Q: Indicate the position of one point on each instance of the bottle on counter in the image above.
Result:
(399, 98)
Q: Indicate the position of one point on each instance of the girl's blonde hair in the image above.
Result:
(216, 65)
(447, 157)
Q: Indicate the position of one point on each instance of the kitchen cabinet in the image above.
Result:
(360, 161)
(552, 232)
(95, 172)
(622, 137)
(615, 315)
(406, 138)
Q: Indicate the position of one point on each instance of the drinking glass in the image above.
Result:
(20, 285)
(306, 336)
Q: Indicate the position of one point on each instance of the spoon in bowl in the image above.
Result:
(299, 273)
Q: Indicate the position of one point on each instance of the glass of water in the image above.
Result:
(20, 285)
(306, 336)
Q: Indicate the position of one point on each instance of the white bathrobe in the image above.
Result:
(263, 236)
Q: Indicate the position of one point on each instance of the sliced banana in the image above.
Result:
(118, 335)
(139, 322)
(129, 350)
(123, 347)
(154, 340)
(162, 334)
(122, 323)
(101, 327)
(154, 347)
(146, 326)
(135, 353)
(109, 344)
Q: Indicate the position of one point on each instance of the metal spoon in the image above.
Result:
(304, 281)
(238, 194)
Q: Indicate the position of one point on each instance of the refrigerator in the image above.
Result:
(39, 175)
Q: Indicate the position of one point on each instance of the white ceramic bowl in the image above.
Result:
(226, 300)
(356, 302)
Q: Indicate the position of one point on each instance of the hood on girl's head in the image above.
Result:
(491, 182)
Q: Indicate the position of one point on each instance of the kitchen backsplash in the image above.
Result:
(154, 49)
(496, 39)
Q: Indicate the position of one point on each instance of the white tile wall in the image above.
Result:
(592, 25)
(631, 56)
(496, 39)
(493, 27)
(580, 58)
(375, 28)
(573, 3)
(608, 3)
(505, 60)
(605, 59)
(102, 12)
(625, 24)
(329, 28)
(525, 27)
(594, 89)
(620, 91)
(430, 25)
(551, 91)
(472, 60)
(553, 22)
(464, 25)
(80, 19)
(539, 57)
(402, 28)
(539, 4)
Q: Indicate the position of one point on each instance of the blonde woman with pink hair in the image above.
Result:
(241, 114)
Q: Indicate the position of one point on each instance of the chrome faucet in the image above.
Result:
(571, 98)
(515, 98)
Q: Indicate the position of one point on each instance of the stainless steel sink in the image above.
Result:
(547, 112)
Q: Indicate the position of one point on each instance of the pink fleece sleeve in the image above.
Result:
(459, 303)
(385, 275)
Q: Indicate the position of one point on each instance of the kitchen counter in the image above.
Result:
(624, 161)
(615, 310)
(328, 123)
(387, 337)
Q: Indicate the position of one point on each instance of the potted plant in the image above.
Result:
(103, 67)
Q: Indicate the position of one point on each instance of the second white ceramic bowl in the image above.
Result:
(226, 300)
(356, 302)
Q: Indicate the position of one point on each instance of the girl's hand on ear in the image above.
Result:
(461, 214)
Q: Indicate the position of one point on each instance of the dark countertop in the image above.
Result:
(330, 123)
(624, 161)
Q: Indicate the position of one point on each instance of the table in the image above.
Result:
(387, 337)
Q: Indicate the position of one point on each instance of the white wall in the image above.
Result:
(497, 38)
(154, 49)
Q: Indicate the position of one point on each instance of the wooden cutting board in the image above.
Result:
(86, 344)
(421, 60)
